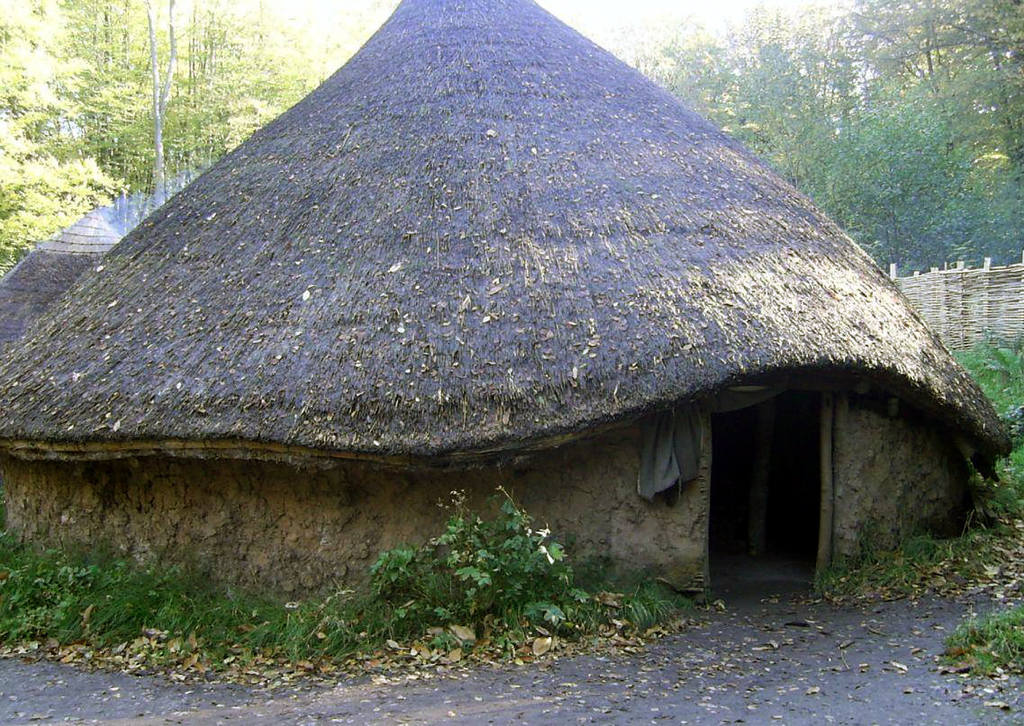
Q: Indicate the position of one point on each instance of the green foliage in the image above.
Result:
(76, 122)
(1013, 420)
(990, 644)
(902, 120)
(999, 370)
(240, 64)
(500, 568)
(40, 192)
(107, 601)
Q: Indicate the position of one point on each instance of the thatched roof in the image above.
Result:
(93, 234)
(43, 275)
(482, 231)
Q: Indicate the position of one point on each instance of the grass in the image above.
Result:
(991, 645)
(73, 598)
(920, 562)
(137, 617)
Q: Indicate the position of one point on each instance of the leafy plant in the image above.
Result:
(1005, 362)
(500, 567)
(1013, 420)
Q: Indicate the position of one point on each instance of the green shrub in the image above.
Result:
(1013, 420)
(999, 372)
(502, 568)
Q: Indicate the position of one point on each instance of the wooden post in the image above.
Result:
(706, 471)
(988, 264)
(892, 270)
(827, 489)
(757, 511)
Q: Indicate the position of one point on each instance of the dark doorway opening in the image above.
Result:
(765, 488)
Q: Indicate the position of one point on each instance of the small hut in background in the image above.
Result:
(49, 269)
(485, 252)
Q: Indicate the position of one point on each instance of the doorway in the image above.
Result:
(765, 490)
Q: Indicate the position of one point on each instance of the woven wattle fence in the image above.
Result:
(966, 306)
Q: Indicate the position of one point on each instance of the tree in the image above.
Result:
(40, 191)
(903, 119)
(161, 93)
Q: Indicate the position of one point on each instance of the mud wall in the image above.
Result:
(292, 531)
(894, 476)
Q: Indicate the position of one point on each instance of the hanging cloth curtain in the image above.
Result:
(672, 439)
(671, 450)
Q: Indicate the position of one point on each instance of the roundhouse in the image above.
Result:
(485, 252)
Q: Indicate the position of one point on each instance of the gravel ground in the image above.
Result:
(762, 659)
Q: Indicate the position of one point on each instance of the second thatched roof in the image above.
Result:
(49, 269)
(481, 232)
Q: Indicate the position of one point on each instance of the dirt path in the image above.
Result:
(762, 660)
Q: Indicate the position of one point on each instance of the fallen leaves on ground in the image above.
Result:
(189, 659)
(993, 566)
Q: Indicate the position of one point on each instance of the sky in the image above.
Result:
(594, 17)
(604, 15)
(617, 25)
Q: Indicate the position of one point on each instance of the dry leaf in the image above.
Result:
(466, 635)
(609, 599)
(998, 704)
(542, 645)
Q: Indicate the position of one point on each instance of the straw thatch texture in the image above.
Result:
(32, 286)
(39, 279)
(969, 306)
(93, 234)
(483, 230)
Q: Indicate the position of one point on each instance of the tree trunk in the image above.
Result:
(161, 94)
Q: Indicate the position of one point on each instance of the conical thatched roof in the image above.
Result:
(93, 234)
(481, 232)
(43, 275)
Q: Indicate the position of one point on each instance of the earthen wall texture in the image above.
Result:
(894, 477)
(293, 531)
